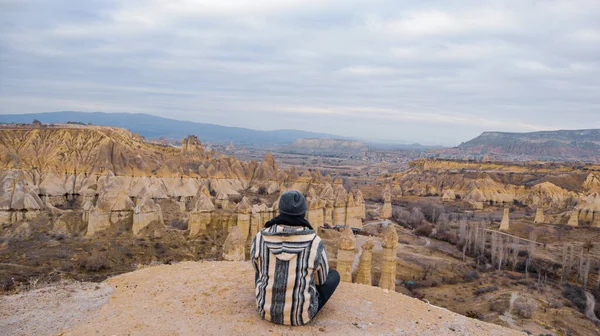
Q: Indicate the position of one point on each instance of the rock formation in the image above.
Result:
(574, 218)
(243, 218)
(316, 212)
(353, 309)
(448, 196)
(112, 176)
(339, 208)
(201, 214)
(234, 248)
(386, 210)
(18, 201)
(364, 268)
(539, 216)
(260, 214)
(146, 212)
(589, 210)
(110, 209)
(505, 223)
(592, 183)
(388, 265)
(191, 145)
(345, 254)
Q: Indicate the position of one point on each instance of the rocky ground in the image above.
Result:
(216, 298)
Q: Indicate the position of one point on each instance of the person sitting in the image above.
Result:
(292, 276)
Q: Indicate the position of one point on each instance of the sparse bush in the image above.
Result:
(474, 315)
(178, 224)
(432, 211)
(424, 230)
(471, 275)
(555, 304)
(262, 190)
(524, 309)
(410, 285)
(485, 290)
(95, 262)
(576, 295)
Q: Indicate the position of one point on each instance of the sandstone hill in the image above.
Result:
(562, 187)
(152, 126)
(69, 187)
(217, 298)
(573, 145)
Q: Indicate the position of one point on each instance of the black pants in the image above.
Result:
(326, 290)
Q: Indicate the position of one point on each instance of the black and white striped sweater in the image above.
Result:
(289, 263)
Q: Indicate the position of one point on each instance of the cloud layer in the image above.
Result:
(426, 71)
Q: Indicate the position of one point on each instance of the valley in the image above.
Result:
(510, 243)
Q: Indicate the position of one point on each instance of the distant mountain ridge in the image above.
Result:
(546, 145)
(151, 126)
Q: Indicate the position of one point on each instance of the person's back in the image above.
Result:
(293, 280)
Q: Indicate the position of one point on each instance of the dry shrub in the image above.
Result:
(95, 262)
(524, 309)
(576, 295)
(471, 275)
(474, 315)
(485, 290)
(178, 224)
(424, 230)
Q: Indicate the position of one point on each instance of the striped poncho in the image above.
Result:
(289, 263)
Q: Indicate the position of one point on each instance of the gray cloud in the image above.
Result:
(432, 72)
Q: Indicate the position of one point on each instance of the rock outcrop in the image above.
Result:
(505, 223)
(482, 184)
(388, 265)
(243, 218)
(574, 218)
(150, 301)
(386, 210)
(539, 216)
(201, 214)
(111, 177)
(364, 269)
(234, 248)
(146, 212)
(345, 254)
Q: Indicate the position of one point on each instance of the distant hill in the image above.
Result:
(151, 126)
(547, 145)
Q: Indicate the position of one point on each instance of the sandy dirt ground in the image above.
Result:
(49, 310)
(217, 298)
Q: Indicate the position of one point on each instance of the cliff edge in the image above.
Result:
(217, 298)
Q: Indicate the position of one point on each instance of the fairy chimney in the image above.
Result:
(234, 247)
(388, 266)
(574, 219)
(364, 268)
(201, 214)
(345, 254)
(386, 210)
(539, 216)
(505, 224)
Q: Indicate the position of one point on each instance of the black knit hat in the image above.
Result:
(292, 203)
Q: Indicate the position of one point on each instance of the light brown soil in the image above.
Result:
(49, 310)
(217, 298)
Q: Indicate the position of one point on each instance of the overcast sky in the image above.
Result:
(434, 72)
